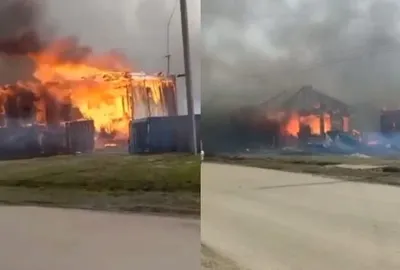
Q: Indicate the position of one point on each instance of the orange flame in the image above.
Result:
(294, 122)
(101, 87)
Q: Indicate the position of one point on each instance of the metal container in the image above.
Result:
(41, 140)
(20, 142)
(162, 134)
(138, 136)
(80, 136)
(54, 140)
(182, 127)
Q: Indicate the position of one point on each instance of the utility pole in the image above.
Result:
(168, 56)
(188, 76)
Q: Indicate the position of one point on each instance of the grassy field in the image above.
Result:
(387, 171)
(157, 183)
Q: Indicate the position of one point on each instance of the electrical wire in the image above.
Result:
(169, 24)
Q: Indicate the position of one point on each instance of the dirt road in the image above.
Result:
(46, 239)
(266, 219)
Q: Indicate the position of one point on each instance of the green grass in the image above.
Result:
(112, 181)
(105, 172)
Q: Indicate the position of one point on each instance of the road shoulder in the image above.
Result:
(367, 170)
(210, 260)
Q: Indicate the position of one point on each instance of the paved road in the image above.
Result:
(48, 239)
(270, 220)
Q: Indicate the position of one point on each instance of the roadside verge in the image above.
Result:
(164, 184)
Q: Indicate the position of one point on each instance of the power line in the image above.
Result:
(168, 55)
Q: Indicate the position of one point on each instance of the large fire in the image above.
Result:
(292, 122)
(102, 88)
(295, 121)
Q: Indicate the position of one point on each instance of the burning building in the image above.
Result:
(295, 117)
(56, 91)
(110, 99)
(69, 83)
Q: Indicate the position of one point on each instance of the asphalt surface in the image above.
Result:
(34, 238)
(273, 220)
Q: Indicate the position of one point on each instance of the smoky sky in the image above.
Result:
(255, 48)
(18, 24)
(137, 29)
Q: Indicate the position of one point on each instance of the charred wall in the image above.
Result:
(390, 122)
(20, 106)
(252, 128)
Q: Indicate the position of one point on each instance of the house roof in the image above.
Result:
(303, 99)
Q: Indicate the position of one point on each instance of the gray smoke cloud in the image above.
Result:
(255, 48)
(20, 32)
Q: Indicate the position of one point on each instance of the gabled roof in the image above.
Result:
(303, 99)
(276, 101)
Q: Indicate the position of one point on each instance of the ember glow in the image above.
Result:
(295, 121)
(99, 87)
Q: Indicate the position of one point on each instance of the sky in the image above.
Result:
(256, 48)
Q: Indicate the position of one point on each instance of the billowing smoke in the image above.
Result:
(20, 26)
(20, 33)
(255, 48)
